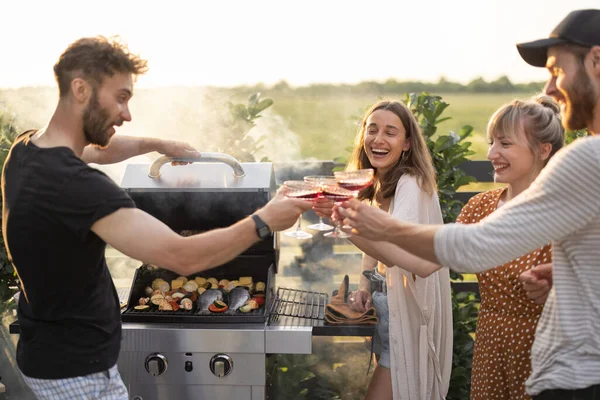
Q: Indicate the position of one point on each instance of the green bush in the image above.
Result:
(234, 139)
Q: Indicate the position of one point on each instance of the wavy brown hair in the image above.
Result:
(93, 59)
(416, 161)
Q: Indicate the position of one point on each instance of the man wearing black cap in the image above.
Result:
(561, 206)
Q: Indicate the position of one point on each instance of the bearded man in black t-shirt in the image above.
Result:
(59, 214)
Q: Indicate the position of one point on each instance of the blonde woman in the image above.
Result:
(523, 135)
(413, 339)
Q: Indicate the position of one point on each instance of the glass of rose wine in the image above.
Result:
(320, 181)
(301, 190)
(338, 195)
(355, 181)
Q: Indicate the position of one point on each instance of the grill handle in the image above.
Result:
(238, 171)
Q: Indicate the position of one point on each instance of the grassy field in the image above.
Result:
(327, 125)
(318, 128)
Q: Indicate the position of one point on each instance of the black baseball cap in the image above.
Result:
(580, 27)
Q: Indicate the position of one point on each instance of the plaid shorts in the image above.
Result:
(106, 385)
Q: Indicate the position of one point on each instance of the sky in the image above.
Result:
(229, 43)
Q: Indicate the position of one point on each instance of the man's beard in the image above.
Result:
(95, 123)
(581, 102)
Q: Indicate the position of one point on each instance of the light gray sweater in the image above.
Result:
(562, 206)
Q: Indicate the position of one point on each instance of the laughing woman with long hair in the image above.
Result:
(413, 338)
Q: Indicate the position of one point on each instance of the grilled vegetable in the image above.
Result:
(186, 304)
(160, 284)
(252, 303)
(176, 283)
(174, 305)
(213, 281)
(260, 287)
(245, 308)
(260, 300)
(142, 308)
(190, 286)
(148, 291)
(230, 286)
(218, 306)
(178, 296)
(201, 290)
(245, 281)
(157, 296)
(165, 306)
(182, 279)
(143, 301)
(223, 283)
(200, 281)
(158, 301)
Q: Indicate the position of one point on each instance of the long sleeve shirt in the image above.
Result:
(561, 206)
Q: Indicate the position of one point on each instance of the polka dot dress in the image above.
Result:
(507, 318)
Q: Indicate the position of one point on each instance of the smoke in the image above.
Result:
(196, 115)
(279, 143)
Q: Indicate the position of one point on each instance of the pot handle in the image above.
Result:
(238, 170)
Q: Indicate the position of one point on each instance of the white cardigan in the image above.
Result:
(421, 329)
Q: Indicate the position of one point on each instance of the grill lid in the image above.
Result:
(201, 196)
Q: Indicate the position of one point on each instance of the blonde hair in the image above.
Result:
(538, 118)
(415, 161)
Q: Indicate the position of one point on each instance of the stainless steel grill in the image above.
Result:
(186, 354)
(189, 355)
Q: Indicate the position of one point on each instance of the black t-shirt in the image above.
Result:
(69, 313)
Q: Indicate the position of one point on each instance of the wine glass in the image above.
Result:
(338, 195)
(355, 181)
(320, 181)
(300, 190)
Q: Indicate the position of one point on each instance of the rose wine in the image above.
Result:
(337, 196)
(355, 185)
(304, 195)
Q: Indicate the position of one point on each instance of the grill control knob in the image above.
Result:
(156, 364)
(221, 365)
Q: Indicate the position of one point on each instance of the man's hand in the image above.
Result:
(360, 300)
(537, 282)
(122, 148)
(369, 222)
(175, 149)
(282, 212)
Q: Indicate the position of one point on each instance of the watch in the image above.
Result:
(262, 230)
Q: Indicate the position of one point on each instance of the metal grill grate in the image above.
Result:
(299, 303)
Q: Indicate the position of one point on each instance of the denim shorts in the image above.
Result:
(381, 338)
(106, 385)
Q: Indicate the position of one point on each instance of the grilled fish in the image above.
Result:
(208, 297)
(237, 298)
